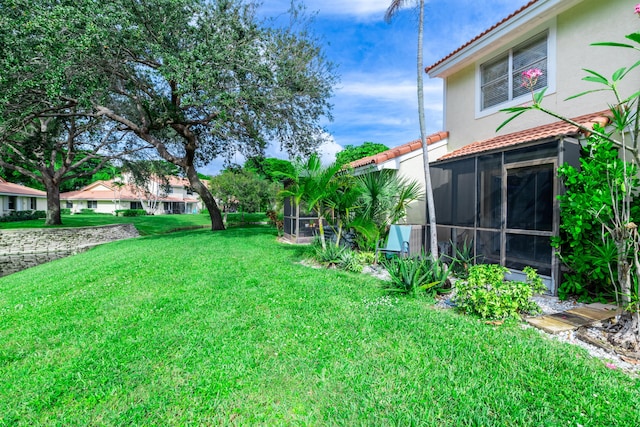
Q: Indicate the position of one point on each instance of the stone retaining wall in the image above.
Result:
(24, 248)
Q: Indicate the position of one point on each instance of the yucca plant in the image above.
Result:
(416, 275)
(462, 259)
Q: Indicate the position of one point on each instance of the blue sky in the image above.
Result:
(375, 98)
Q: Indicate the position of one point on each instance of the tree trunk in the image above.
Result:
(53, 203)
(207, 198)
(624, 276)
(431, 210)
(321, 229)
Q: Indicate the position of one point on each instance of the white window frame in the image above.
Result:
(550, 29)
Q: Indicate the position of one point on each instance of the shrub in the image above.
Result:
(487, 294)
(65, 211)
(23, 216)
(329, 256)
(462, 259)
(86, 211)
(366, 257)
(131, 212)
(416, 275)
(350, 261)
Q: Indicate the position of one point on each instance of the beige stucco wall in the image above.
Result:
(410, 166)
(588, 22)
(23, 204)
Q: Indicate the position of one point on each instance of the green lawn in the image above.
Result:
(146, 225)
(228, 328)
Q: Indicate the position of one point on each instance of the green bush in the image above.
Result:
(329, 256)
(462, 259)
(366, 257)
(65, 211)
(350, 261)
(87, 211)
(23, 216)
(131, 212)
(487, 293)
(416, 275)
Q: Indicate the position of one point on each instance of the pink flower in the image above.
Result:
(611, 366)
(638, 8)
(530, 77)
(533, 73)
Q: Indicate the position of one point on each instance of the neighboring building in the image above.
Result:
(109, 196)
(15, 198)
(406, 159)
(498, 190)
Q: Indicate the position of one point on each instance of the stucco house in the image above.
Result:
(156, 198)
(16, 198)
(498, 190)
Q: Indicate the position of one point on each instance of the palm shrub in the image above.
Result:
(416, 275)
(486, 292)
(383, 201)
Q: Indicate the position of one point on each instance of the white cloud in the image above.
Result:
(360, 8)
(329, 149)
(354, 8)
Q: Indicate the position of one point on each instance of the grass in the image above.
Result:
(227, 328)
(146, 225)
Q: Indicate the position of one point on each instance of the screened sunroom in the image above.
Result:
(504, 203)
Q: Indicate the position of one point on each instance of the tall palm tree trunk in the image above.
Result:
(431, 210)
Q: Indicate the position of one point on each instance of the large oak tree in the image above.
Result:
(195, 79)
(205, 79)
(48, 74)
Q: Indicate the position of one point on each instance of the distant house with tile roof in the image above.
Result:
(176, 197)
(498, 190)
(406, 159)
(15, 198)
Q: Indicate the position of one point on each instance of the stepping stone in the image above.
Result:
(550, 324)
(574, 318)
(594, 314)
(571, 318)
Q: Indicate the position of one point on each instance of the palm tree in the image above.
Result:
(385, 197)
(391, 11)
(314, 184)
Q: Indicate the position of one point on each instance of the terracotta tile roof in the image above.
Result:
(19, 190)
(496, 25)
(106, 190)
(537, 133)
(398, 151)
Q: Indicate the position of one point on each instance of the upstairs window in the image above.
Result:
(501, 77)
